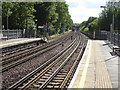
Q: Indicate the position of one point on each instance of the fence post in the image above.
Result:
(8, 33)
(17, 33)
(107, 35)
(118, 39)
(113, 38)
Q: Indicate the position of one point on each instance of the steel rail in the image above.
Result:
(57, 70)
(11, 65)
(17, 49)
(65, 81)
(56, 61)
(67, 76)
(61, 83)
(17, 84)
(23, 53)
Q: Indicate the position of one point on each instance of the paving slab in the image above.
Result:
(98, 68)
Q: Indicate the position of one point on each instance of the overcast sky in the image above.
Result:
(81, 10)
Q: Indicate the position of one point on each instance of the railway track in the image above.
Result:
(6, 51)
(11, 61)
(57, 71)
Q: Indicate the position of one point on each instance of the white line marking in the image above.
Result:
(83, 77)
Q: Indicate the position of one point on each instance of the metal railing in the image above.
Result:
(12, 34)
(114, 38)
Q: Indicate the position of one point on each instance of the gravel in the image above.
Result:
(14, 74)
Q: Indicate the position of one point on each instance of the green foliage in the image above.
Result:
(106, 16)
(55, 15)
(111, 10)
(20, 15)
(93, 25)
(86, 29)
(17, 13)
(90, 25)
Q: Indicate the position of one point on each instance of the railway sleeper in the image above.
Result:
(40, 82)
(51, 87)
(60, 75)
(36, 85)
(54, 83)
(57, 80)
(45, 77)
(63, 70)
(47, 74)
(73, 58)
(50, 71)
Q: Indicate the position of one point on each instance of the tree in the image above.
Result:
(90, 25)
(17, 13)
(54, 14)
(64, 21)
(111, 11)
(21, 15)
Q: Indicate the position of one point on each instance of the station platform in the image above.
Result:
(98, 67)
(13, 42)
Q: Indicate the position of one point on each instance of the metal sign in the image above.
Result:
(40, 26)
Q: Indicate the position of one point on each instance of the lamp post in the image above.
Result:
(7, 24)
(112, 17)
(45, 29)
(36, 27)
(28, 32)
(111, 26)
(26, 26)
(7, 21)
